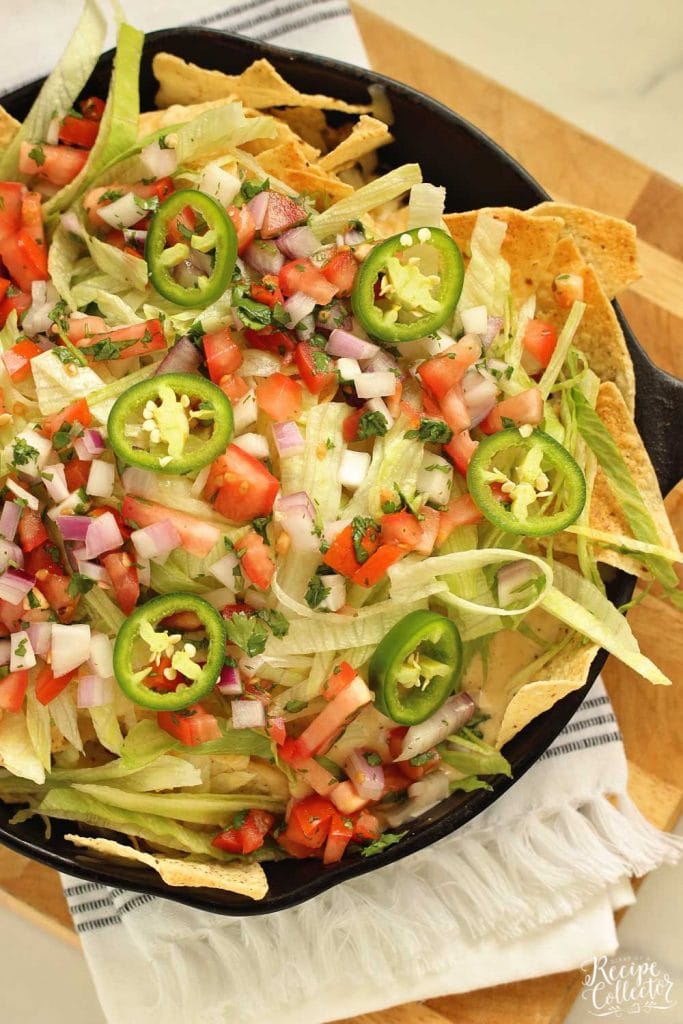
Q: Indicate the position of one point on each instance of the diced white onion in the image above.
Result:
(375, 385)
(435, 478)
(349, 369)
(248, 714)
(101, 479)
(40, 634)
(41, 445)
(336, 598)
(123, 212)
(54, 479)
(66, 507)
(224, 570)
(158, 162)
(70, 647)
(354, 468)
(474, 320)
(254, 444)
(436, 346)
(219, 184)
(19, 492)
(21, 651)
(200, 481)
(245, 412)
(101, 655)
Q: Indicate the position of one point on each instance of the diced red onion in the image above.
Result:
(71, 223)
(103, 535)
(94, 692)
(101, 479)
(219, 184)
(101, 655)
(9, 519)
(368, 779)
(69, 647)
(248, 714)
(40, 635)
(381, 362)
(54, 479)
(92, 570)
(224, 570)
(156, 540)
(15, 585)
(342, 343)
(305, 329)
(5, 652)
(511, 578)
(229, 682)
(10, 554)
(183, 357)
(20, 492)
(298, 306)
(479, 393)
(288, 439)
(449, 718)
(94, 442)
(22, 654)
(74, 527)
(82, 452)
(264, 257)
(133, 236)
(375, 385)
(157, 161)
(296, 515)
(297, 243)
(123, 212)
(257, 208)
(254, 444)
(492, 330)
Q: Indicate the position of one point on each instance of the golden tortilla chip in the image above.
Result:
(288, 163)
(308, 123)
(247, 879)
(528, 245)
(608, 244)
(599, 335)
(152, 120)
(283, 134)
(259, 86)
(566, 672)
(8, 128)
(366, 136)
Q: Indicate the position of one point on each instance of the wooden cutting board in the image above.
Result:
(576, 167)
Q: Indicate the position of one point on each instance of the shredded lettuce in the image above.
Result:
(10, 333)
(470, 755)
(56, 388)
(65, 717)
(426, 206)
(199, 808)
(104, 614)
(117, 263)
(557, 360)
(146, 742)
(17, 752)
(487, 278)
(163, 773)
(470, 585)
(38, 725)
(62, 257)
(368, 197)
(107, 728)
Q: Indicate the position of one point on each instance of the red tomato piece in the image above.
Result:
(76, 472)
(461, 448)
(14, 299)
(315, 368)
(78, 131)
(58, 164)
(461, 511)
(13, 690)
(11, 193)
(54, 586)
(341, 271)
(249, 836)
(17, 359)
(429, 528)
(48, 686)
(278, 342)
(303, 276)
(134, 340)
(345, 798)
(317, 777)
(275, 728)
(244, 226)
(339, 836)
(540, 339)
(267, 291)
(342, 676)
(31, 531)
(223, 354)
(84, 327)
(318, 735)
(243, 488)
(124, 579)
(237, 609)
(351, 424)
(311, 818)
(455, 412)
(282, 213)
(279, 397)
(341, 555)
(366, 827)
(234, 387)
(25, 260)
(401, 528)
(77, 412)
(441, 373)
(375, 569)
(255, 558)
(197, 536)
(32, 217)
(526, 407)
(190, 726)
(184, 221)
(92, 108)
(412, 772)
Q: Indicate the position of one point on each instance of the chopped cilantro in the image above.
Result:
(435, 431)
(360, 529)
(385, 840)
(421, 759)
(105, 349)
(79, 584)
(316, 592)
(37, 154)
(65, 355)
(111, 195)
(292, 706)
(437, 468)
(33, 601)
(239, 819)
(62, 437)
(247, 632)
(321, 361)
(372, 757)
(260, 524)
(151, 203)
(276, 621)
(371, 424)
(252, 188)
(508, 423)
(21, 649)
(23, 452)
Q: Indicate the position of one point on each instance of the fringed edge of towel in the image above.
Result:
(492, 886)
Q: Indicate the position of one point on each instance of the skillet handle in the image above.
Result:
(659, 415)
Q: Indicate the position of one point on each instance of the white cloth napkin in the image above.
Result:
(526, 889)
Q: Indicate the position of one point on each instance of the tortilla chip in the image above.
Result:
(608, 244)
(259, 86)
(308, 123)
(8, 128)
(366, 136)
(247, 879)
(566, 672)
(528, 245)
(152, 120)
(288, 163)
(599, 335)
(283, 134)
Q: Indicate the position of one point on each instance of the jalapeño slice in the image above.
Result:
(416, 667)
(172, 423)
(526, 485)
(409, 285)
(144, 657)
(168, 261)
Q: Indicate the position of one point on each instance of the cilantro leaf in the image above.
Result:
(292, 706)
(252, 188)
(361, 528)
(435, 431)
(371, 424)
(276, 621)
(23, 452)
(37, 154)
(247, 632)
(79, 584)
(385, 840)
(260, 524)
(316, 592)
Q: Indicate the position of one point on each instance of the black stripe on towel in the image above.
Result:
(587, 744)
(292, 26)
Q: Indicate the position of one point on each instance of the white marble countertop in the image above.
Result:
(615, 68)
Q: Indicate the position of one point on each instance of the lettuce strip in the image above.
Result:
(382, 190)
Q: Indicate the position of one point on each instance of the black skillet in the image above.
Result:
(476, 172)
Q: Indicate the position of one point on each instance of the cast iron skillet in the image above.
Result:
(476, 172)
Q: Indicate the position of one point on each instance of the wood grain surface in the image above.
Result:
(578, 168)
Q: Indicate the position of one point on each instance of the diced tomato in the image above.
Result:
(276, 729)
(278, 342)
(375, 569)
(118, 240)
(14, 299)
(161, 188)
(244, 225)
(32, 218)
(48, 686)
(342, 676)
(318, 735)
(346, 798)
(95, 199)
(11, 193)
(76, 472)
(267, 291)
(190, 726)
(84, 327)
(311, 364)
(295, 849)
(197, 536)
(366, 827)
(13, 690)
(156, 680)
(124, 578)
(280, 397)
(282, 213)
(429, 529)
(317, 777)
(461, 448)
(341, 555)
(351, 424)
(540, 339)
(58, 164)
(249, 836)
(54, 586)
(526, 407)
(5, 284)
(25, 259)
(17, 359)
(341, 271)
(237, 609)
(78, 131)
(303, 276)
(234, 387)
(41, 560)
(394, 401)
(77, 412)
(402, 529)
(243, 488)
(461, 511)
(223, 354)
(455, 412)
(338, 838)
(309, 821)
(92, 108)
(412, 772)
(177, 230)
(441, 373)
(32, 533)
(134, 340)
(568, 289)
(255, 558)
